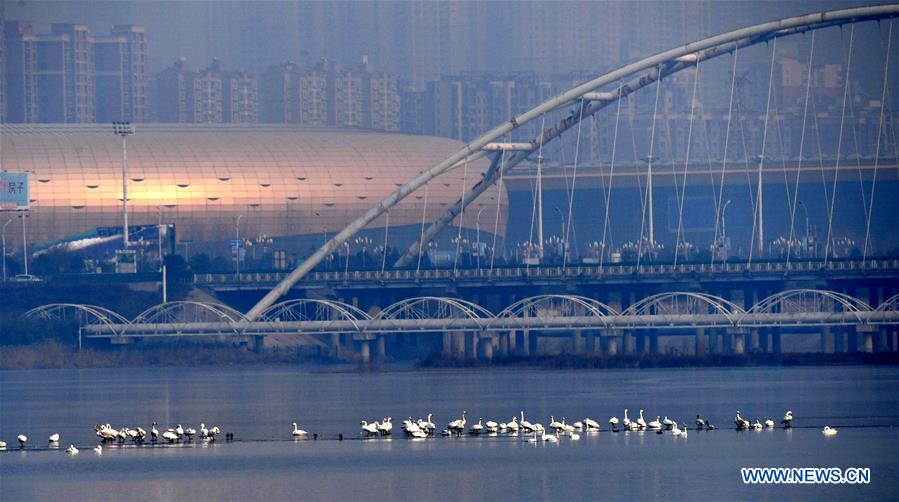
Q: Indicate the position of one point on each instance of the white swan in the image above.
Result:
(769, 423)
(204, 432)
(675, 430)
(170, 436)
(22, 439)
(54, 438)
(626, 422)
(534, 439)
(640, 421)
(419, 434)
(655, 424)
(190, 432)
(684, 432)
(98, 450)
(614, 423)
(2, 445)
(787, 420)
(527, 426)
(591, 424)
(386, 426)
(828, 431)
(513, 425)
(757, 425)
(477, 428)
(179, 430)
(574, 436)
(71, 450)
(491, 426)
(700, 423)
(369, 429)
(154, 432)
(567, 427)
(553, 424)
(741, 422)
(297, 431)
(550, 438)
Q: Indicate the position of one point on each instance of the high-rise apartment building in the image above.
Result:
(2, 62)
(175, 89)
(134, 72)
(241, 95)
(207, 99)
(314, 97)
(73, 42)
(21, 72)
(281, 94)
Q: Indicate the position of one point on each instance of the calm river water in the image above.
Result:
(258, 405)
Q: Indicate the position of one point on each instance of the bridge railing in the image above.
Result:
(616, 270)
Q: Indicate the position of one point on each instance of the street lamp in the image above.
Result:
(477, 226)
(237, 243)
(4, 247)
(723, 221)
(124, 129)
(24, 240)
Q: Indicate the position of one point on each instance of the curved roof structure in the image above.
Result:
(284, 180)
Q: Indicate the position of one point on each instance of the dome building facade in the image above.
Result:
(211, 181)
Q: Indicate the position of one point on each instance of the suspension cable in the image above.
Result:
(886, 74)
(424, 212)
(577, 148)
(605, 224)
(730, 115)
(808, 88)
(758, 215)
(683, 190)
(647, 201)
(461, 218)
(836, 172)
(499, 199)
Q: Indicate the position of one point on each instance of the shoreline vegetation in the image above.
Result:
(57, 355)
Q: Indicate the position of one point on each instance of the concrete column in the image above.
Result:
(702, 342)
(611, 345)
(754, 340)
(258, 344)
(866, 338)
(577, 342)
(653, 343)
(827, 340)
(504, 343)
(513, 343)
(447, 344)
(485, 348)
(381, 349)
(471, 346)
(883, 339)
(525, 349)
(738, 340)
(775, 341)
(640, 347)
(335, 346)
(728, 342)
(852, 339)
(629, 342)
(365, 351)
(458, 345)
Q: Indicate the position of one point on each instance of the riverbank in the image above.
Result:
(56, 355)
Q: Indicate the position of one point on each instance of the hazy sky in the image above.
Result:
(415, 39)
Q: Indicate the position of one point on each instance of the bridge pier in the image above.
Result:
(727, 340)
(775, 341)
(381, 349)
(611, 346)
(883, 339)
(577, 342)
(754, 340)
(458, 345)
(485, 348)
(447, 346)
(365, 351)
(504, 343)
(738, 340)
(702, 342)
(865, 334)
(852, 339)
(471, 346)
(629, 343)
(827, 340)
(653, 343)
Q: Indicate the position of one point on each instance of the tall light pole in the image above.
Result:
(4, 247)
(723, 221)
(24, 240)
(477, 226)
(237, 241)
(124, 129)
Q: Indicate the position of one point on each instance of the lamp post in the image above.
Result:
(4, 247)
(477, 226)
(237, 242)
(723, 221)
(24, 240)
(124, 129)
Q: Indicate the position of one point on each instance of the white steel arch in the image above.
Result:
(810, 301)
(684, 303)
(312, 309)
(542, 306)
(687, 55)
(891, 304)
(435, 307)
(81, 313)
(179, 312)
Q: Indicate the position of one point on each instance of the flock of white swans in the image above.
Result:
(424, 428)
